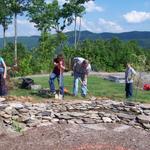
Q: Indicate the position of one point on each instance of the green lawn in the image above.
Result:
(97, 87)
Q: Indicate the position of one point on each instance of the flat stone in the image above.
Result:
(128, 103)
(2, 99)
(46, 113)
(23, 110)
(78, 121)
(147, 126)
(3, 106)
(46, 118)
(106, 119)
(147, 112)
(126, 116)
(32, 123)
(145, 106)
(89, 121)
(8, 110)
(6, 116)
(17, 105)
(136, 110)
(61, 116)
(77, 114)
(143, 119)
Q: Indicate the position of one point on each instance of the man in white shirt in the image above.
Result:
(81, 69)
(129, 75)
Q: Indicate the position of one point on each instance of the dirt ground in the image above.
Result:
(78, 137)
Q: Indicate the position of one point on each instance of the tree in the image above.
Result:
(47, 16)
(17, 7)
(73, 9)
(5, 17)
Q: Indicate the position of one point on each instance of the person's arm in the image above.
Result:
(133, 71)
(5, 69)
(55, 63)
(62, 66)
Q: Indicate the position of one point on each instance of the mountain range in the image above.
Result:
(142, 37)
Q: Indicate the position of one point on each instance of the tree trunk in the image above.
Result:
(15, 42)
(79, 32)
(4, 37)
(75, 33)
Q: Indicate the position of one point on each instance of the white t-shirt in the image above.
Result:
(129, 73)
(77, 68)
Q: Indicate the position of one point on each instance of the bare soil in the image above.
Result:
(78, 137)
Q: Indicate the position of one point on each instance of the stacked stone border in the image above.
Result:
(22, 116)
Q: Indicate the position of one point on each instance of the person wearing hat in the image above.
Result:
(81, 69)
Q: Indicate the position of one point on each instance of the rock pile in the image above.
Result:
(24, 115)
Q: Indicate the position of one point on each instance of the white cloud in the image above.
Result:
(109, 26)
(24, 28)
(136, 17)
(91, 6)
(101, 26)
(60, 1)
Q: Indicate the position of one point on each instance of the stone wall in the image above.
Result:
(24, 115)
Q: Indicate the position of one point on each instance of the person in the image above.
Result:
(81, 69)
(3, 73)
(129, 75)
(57, 72)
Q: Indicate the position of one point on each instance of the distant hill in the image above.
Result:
(142, 37)
(27, 41)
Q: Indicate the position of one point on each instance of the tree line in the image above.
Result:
(104, 55)
(45, 16)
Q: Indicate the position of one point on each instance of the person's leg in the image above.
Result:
(51, 82)
(3, 88)
(61, 84)
(127, 90)
(75, 85)
(1, 85)
(130, 90)
(83, 89)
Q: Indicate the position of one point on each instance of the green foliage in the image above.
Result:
(16, 126)
(110, 55)
(42, 57)
(24, 59)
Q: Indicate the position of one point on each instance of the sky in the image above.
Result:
(114, 16)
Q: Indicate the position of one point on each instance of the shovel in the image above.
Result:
(58, 95)
(91, 97)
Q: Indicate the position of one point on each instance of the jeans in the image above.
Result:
(3, 88)
(129, 90)
(78, 77)
(60, 80)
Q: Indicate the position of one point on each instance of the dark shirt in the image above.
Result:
(56, 69)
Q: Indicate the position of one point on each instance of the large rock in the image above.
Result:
(143, 119)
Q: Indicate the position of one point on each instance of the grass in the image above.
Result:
(97, 87)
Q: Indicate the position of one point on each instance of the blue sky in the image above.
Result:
(101, 16)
